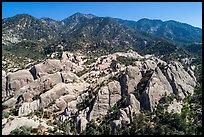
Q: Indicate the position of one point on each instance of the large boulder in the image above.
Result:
(133, 104)
(114, 92)
(56, 92)
(156, 88)
(182, 82)
(39, 86)
(47, 67)
(101, 105)
(28, 107)
(17, 80)
(130, 79)
(4, 95)
(69, 77)
(107, 97)
(62, 89)
(17, 123)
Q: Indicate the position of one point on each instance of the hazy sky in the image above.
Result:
(185, 12)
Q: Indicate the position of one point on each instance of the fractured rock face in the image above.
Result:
(114, 92)
(69, 77)
(107, 97)
(101, 105)
(175, 107)
(47, 67)
(3, 85)
(130, 80)
(17, 123)
(17, 80)
(183, 84)
(28, 107)
(133, 103)
(157, 87)
(56, 92)
(39, 86)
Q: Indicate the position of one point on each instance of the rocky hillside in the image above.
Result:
(89, 75)
(30, 38)
(172, 30)
(76, 93)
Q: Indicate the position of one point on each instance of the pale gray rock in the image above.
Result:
(175, 107)
(4, 121)
(62, 89)
(157, 87)
(49, 66)
(122, 115)
(17, 123)
(39, 86)
(101, 105)
(4, 95)
(133, 77)
(54, 93)
(107, 97)
(114, 92)
(17, 80)
(69, 77)
(130, 79)
(28, 107)
(183, 84)
(81, 123)
(133, 103)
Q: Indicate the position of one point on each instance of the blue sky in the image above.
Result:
(186, 12)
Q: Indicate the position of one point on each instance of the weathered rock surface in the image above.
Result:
(175, 107)
(17, 80)
(157, 87)
(54, 85)
(81, 123)
(114, 92)
(28, 107)
(62, 89)
(107, 97)
(130, 79)
(183, 84)
(17, 123)
(134, 104)
(47, 67)
(4, 95)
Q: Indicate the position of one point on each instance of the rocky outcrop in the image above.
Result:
(23, 121)
(4, 95)
(157, 87)
(28, 107)
(17, 80)
(133, 104)
(175, 107)
(114, 92)
(183, 84)
(53, 85)
(107, 97)
(130, 79)
(101, 105)
(47, 67)
(17, 123)
(39, 86)
(70, 77)
(62, 89)
(81, 123)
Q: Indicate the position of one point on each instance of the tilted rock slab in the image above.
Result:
(157, 87)
(182, 82)
(17, 80)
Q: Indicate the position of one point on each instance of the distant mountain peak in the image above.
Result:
(78, 15)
